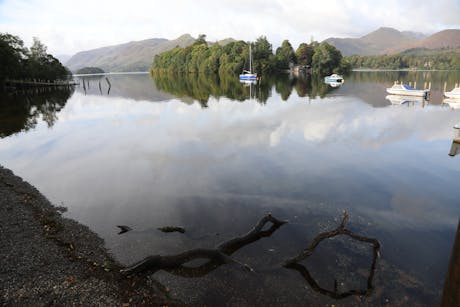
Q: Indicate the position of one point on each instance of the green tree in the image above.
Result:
(38, 50)
(264, 60)
(304, 54)
(285, 55)
(201, 40)
(12, 55)
(326, 58)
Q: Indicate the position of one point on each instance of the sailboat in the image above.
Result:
(248, 75)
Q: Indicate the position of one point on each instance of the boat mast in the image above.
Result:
(250, 59)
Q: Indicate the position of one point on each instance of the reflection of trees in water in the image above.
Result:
(21, 111)
(201, 86)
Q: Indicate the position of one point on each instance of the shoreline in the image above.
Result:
(48, 259)
(404, 70)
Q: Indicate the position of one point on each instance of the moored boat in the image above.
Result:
(333, 78)
(455, 93)
(248, 75)
(406, 90)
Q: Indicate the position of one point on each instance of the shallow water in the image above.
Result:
(214, 156)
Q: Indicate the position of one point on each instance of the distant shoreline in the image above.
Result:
(408, 70)
(113, 73)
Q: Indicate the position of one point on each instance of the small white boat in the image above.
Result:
(455, 93)
(401, 99)
(406, 90)
(248, 75)
(333, 78)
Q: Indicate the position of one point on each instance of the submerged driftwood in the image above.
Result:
(172, 229)
(293, 263)
(176, 264)
(123, 229)
(220, 255)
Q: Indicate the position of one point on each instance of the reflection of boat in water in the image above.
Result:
(248, 82)
(248, 75)
(453, 103)
(406, 90)
(334, 84)
(455, 93)
(401, 99)
(334, 78)
(455, 148)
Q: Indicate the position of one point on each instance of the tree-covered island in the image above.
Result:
(90, 70)
(231, 58)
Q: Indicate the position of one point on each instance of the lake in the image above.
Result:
(214, 156)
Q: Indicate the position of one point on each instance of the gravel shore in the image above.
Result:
(47, 259)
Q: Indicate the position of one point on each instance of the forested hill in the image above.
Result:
(132, 56)
(374, 43)
(417, 58)
(391, 41)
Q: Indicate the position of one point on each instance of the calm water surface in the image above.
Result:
(214, 156)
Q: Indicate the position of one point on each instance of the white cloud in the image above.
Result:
(69, 26)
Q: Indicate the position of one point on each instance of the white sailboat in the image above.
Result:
(248, 75)
(406, 90)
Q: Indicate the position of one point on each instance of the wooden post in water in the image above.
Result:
(429, 85)
(445, 86)
(415, 84)
(110, 85)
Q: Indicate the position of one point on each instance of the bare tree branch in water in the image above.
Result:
(216, 257)
(293, 263)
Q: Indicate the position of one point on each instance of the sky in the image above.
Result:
(67, 27)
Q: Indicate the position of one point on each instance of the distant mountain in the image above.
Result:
(63, 58)
(376, 42)
(132, 56)
(440, 40)
(226, 41)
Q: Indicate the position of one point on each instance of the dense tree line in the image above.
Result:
(410, 59)
(19, 62)
(231, 58)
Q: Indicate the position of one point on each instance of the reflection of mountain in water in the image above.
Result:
(133, 86)
(20, 111)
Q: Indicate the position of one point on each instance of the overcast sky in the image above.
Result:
(67, 27)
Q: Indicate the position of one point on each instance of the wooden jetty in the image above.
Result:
(39, 83)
